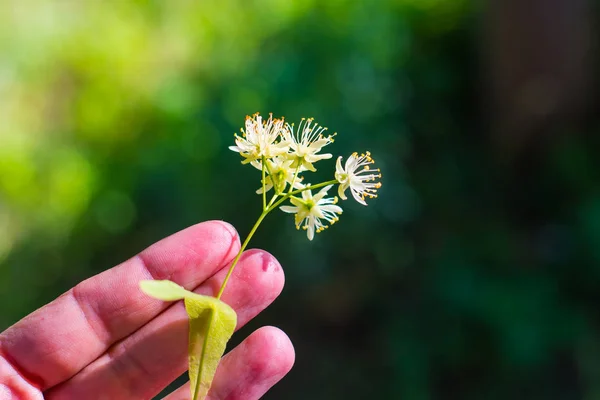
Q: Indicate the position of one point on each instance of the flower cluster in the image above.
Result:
(283, 154)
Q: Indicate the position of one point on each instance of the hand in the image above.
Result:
(105, 339)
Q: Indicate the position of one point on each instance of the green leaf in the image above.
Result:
(164, 290)
(212, 323)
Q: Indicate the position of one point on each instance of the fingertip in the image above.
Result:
(220, 232)
(226, 226)
(263, 266)
(275, 354)
(254, 366)
(251, 369)
(227, 237)
(256, 282)
(205, 247)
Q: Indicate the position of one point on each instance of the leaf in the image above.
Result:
(164, 290)
(212, 323)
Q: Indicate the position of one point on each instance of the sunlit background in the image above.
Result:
(474, 275)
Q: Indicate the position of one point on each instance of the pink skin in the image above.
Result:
(104, 339)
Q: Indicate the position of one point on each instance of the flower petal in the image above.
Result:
(296, 201)
(322, 193)
(358, 198)
(341, 191)
(289, 209)
(338, 165)
(332, 208)
(310, 230)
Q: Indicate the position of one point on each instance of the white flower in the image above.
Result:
(306, 142)
(280, 174)
(261, 139)
(311, 210)
(361, 182)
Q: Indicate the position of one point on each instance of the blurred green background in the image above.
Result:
(474, 275)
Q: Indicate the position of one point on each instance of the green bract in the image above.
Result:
(212, 323)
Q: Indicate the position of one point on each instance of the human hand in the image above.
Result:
(105, 339)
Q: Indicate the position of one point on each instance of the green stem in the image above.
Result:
(204, 346)
(295, 192)
(272, 201)
(270, 207)
(239, 254)
(273, 204)
(294, 178)
(317, 186)
(264, 192)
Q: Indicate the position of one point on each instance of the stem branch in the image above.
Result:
(264, 192)
(295, 192)
(266, 210)
(294, 178)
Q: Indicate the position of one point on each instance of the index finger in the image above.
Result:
(57, 341)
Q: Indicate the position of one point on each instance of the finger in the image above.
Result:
(55, 342)
(251, 369)
(13, 386)
(143, 364)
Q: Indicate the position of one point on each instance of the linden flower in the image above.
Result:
(261, 139)
(280, 174)
(311, 210)
(306, 142)
(360, 181)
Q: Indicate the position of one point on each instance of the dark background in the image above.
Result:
(474, 275)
